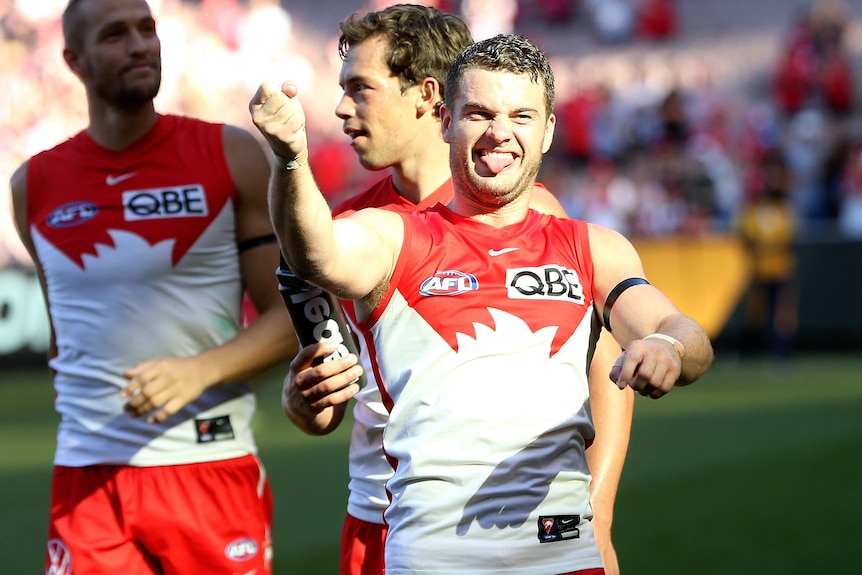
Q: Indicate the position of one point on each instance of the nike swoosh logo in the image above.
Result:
(493, 253)
(114, 180)
(565, 521)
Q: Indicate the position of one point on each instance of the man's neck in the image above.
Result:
(499, 216)
(117, 129)
(423, 173)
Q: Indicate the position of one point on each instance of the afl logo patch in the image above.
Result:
(450, 282)
(72, 214)
(241, 549)
(59, 557)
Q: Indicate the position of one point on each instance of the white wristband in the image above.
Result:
(671, 340)
(293, 164)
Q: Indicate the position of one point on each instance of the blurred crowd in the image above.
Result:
(689, 156)
(674, 151)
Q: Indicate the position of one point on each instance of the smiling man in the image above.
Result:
(145, 228)
(486, 385)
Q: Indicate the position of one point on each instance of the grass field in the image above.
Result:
(754, 469)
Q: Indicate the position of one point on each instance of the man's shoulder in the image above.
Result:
(378, 195)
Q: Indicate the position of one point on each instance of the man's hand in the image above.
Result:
(313, 397)
(164, 386)
(649, 366)
(278, 114)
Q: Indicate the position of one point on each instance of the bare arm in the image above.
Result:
(350, 258)
(18, 187)
(168, 384)
(652, 366)
(612, 418)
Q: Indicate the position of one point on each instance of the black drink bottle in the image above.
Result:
(316, 315)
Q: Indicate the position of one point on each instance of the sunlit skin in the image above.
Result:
(373, 107)
(499, 128)
(120, 59)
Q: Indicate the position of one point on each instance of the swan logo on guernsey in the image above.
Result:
(545, 282)
(241, 549)
(449, 282)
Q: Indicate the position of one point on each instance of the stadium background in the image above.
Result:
(786, 426)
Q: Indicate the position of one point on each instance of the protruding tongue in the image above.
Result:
(496, 163)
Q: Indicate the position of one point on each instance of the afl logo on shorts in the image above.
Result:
(59, 558)
(241, 550)
(72, 214)
(450, 282)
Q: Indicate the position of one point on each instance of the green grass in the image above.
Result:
(754, 469)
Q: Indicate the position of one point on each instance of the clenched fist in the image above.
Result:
(278, 114)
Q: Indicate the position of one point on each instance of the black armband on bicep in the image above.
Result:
(615, 294)
(246, 245)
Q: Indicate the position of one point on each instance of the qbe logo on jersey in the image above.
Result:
(544, 282)
(176, 202)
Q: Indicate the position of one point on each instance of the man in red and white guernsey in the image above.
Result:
(145, 229)
(483, 315)
(394, 66)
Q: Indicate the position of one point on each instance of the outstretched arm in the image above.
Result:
(663, 346)
(350, 258)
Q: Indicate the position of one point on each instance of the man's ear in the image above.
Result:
(428, 96)
(445, 121)
(73, 61)
(549, 133)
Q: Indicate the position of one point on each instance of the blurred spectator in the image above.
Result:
(485, 18)
(222, 16)
(609, 125)
(575, 120)
(725, 189)
(674, 120)
(611, 199)
(806, 146)
(767, 226)
(656, 19)
(850, 218)
(556, 12)
(612, 21)
(796, 70)
(658, 213)
(836, 78)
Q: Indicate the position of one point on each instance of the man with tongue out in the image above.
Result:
(482, 317)
(395, 65)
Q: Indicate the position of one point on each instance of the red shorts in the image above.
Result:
(362, 547)
(210, 517)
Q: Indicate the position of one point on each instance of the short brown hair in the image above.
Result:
(422, 40)
(503, 53)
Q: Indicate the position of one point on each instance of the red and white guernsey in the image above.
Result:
(140, 259)
(483, 344)
(368, 467)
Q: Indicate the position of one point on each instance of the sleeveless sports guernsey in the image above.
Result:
(140, 261)
(483, 344)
